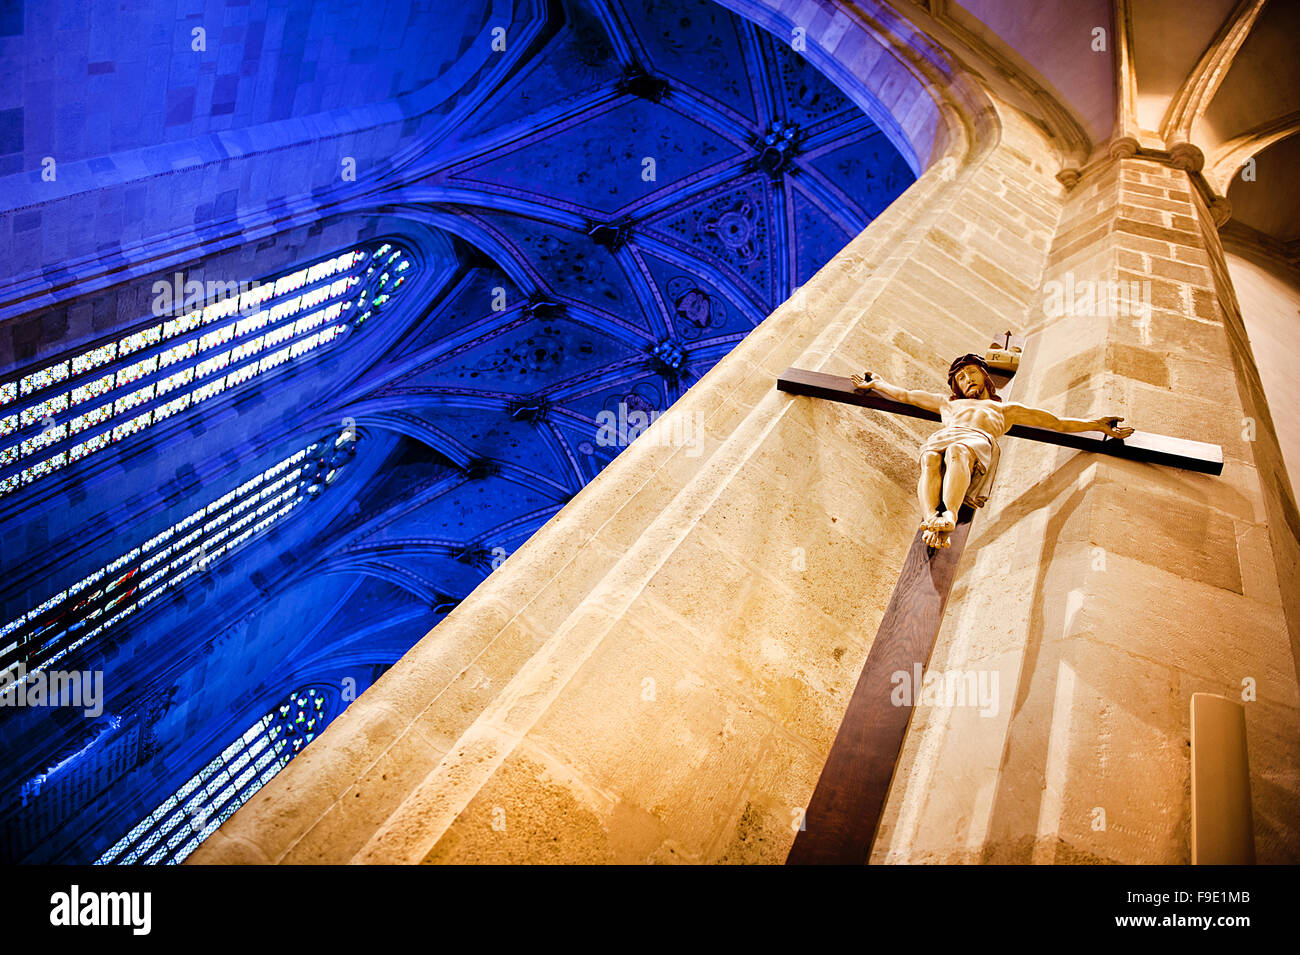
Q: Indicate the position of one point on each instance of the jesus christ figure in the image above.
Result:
(958, 461)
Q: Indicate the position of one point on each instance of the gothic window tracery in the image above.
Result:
(148, 374)
(210, 797)
(71, 618)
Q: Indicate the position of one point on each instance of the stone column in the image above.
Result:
(1103, 593)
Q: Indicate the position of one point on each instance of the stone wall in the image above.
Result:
(1269, 295)
(1103, 593)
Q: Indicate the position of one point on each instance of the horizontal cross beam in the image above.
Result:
(1140, 446)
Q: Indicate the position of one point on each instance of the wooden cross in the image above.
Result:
(840, 823)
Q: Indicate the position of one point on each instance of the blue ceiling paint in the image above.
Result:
(569, 264)
(560, 285)
(695, 308)
(868, 167)
(600, 164)
(819, 242)
(577, 61)
(698, 44)
(123, 76)
(734, 225)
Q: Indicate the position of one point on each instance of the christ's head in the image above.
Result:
(969, 377)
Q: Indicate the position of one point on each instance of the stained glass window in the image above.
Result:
(78, 614)
(170, 366)
(210, 797)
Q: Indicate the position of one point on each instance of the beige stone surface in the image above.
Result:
(1270, 302)
(1104, 594)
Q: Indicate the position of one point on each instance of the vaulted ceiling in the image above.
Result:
(1220, 75)
(600, 198)
(599, 202)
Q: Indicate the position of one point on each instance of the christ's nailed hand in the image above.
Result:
(864, 384)
(1111, 426)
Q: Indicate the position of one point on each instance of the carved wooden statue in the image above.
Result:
(959, 460)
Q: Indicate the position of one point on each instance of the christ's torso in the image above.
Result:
(986, 415)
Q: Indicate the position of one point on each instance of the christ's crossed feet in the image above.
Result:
(936, 528)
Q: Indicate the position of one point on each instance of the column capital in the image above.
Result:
(1184, 155)
(1123, 147)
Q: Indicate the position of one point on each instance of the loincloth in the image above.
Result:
(981, 444)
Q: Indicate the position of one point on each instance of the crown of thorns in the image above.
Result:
(978, 362)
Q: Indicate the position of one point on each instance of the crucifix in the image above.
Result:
(957, 465)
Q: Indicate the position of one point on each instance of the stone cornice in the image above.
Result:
(1129, 148)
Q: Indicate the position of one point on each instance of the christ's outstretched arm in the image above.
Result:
(920, 399)
(1017, 413)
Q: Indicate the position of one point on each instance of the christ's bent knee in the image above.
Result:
(931, 460)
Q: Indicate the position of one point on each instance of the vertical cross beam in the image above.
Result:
(840, 823)
(841, 820)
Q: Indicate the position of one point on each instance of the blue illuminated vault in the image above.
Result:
(593, 212)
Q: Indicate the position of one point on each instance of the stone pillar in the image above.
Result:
(1103, 593)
